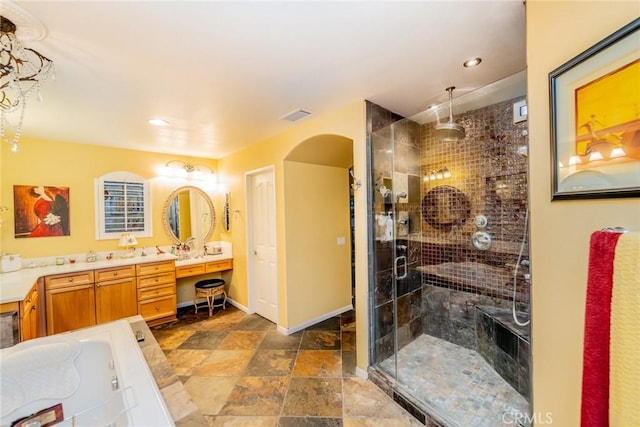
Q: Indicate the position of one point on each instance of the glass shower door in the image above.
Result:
(396, 293)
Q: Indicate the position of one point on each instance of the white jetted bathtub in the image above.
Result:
(98, 374)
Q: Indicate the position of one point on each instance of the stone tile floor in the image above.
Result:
(458, 382)
(240, 371)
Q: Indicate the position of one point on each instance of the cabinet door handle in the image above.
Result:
(157, 308)
(70, 279)
(33, 308)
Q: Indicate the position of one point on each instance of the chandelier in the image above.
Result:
(22, 72)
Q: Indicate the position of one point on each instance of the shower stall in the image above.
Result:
(449, 291)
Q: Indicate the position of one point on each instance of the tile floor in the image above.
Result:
(240, 371)
(458, 382)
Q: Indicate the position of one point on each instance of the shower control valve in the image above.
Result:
(481, 240)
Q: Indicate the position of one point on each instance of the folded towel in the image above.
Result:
(38, 369)
(624, 378)
(595, 360)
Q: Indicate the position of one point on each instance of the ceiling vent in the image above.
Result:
(296, 115)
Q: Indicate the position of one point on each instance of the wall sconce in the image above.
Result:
(438, 175)
(180, 169)
(356, 182)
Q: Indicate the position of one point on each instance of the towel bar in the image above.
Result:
(615, 229)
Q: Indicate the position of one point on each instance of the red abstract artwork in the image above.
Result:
(41, 211)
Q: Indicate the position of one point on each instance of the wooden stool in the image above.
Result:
(209, 289)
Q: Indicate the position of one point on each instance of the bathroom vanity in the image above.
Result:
(36, 301)
(99, 292)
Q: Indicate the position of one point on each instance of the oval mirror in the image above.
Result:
(189, 213)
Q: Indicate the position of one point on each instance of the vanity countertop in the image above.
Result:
(202, 259)
(14, 286)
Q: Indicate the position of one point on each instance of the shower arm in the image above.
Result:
(450, 90)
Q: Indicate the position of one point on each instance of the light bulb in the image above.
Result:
(617, 152)
(574, 160)
(595, 156)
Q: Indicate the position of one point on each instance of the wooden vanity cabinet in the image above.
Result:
(70, 301)
(156, 292)
(115, 293)
(29, 318)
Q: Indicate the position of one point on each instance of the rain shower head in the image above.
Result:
(450, 131)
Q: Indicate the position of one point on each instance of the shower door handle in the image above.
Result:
(397, 263)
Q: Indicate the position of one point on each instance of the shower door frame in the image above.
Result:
(373, 246)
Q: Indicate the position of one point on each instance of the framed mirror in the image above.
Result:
(189, 213)
(445, 206)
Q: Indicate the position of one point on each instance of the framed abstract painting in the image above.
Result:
(41, 211)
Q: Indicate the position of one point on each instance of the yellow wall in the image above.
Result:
(77, 166)
(560, 230)
(348, 121)
(316, 214)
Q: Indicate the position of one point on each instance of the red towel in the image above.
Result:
(595, 361)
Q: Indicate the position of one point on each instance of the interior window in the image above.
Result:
(123, 204)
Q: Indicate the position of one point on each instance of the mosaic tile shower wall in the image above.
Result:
(487, 175)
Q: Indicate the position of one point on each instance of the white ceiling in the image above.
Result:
(224, 73)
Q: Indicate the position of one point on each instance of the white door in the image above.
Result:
(262, 238)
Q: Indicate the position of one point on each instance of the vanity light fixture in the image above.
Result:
(438, 175)
(22, 70)
(196, 172)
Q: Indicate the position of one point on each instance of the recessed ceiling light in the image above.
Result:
(472, 62)
(158, 122)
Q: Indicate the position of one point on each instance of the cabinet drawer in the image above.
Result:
(115, 273)
(155, 268)
(156, 292)
(212, 266)
(120, 281)
(190, 270)
(157, 279)
(64, 280)
(157, 307)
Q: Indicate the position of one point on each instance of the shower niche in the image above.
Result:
(432, 292)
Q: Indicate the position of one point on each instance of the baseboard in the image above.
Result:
(304, 325)
(237, 305)
(229, 301)
(362, 373)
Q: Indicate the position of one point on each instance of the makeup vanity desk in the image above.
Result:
(204, 265)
